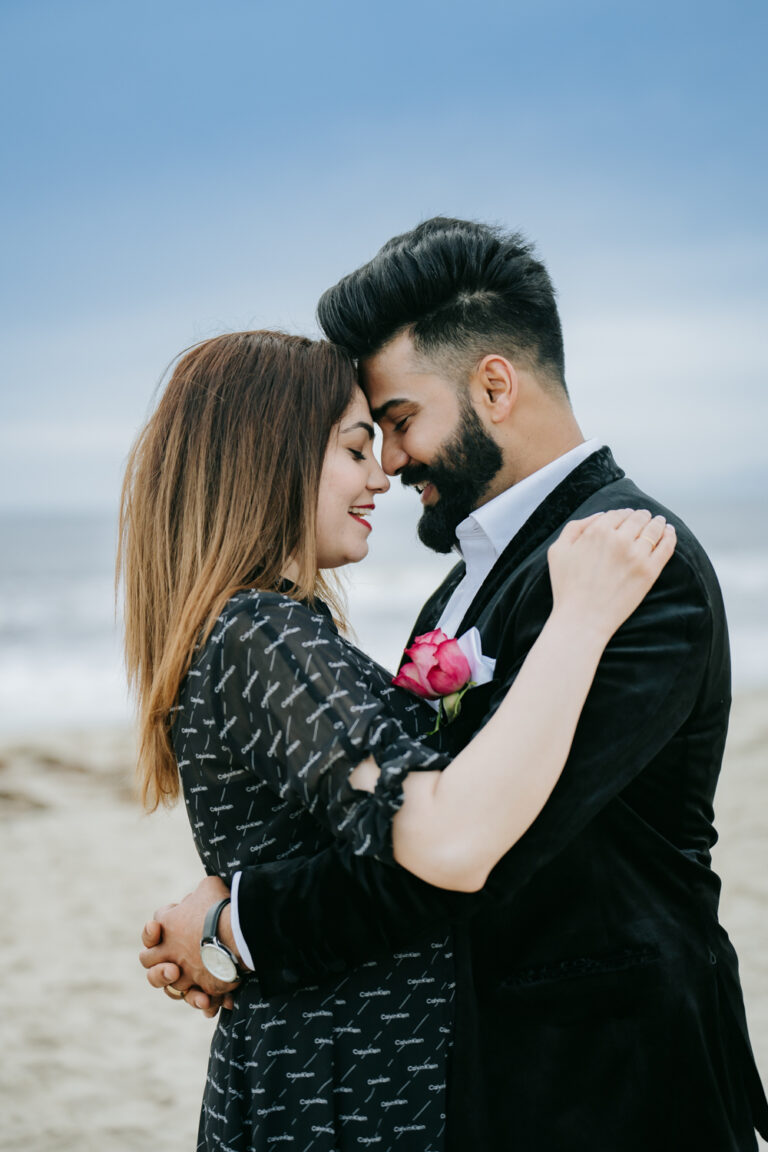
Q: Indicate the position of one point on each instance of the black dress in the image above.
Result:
(273, 715)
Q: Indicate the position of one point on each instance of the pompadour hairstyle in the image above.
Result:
(460, 288)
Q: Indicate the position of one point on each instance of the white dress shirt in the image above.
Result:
(234, 923)
(480, 539)
(484, 535)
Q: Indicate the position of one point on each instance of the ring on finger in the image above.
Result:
(651, 539)
(174, 993)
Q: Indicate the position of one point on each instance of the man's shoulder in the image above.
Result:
(520, 571)
(625, 493)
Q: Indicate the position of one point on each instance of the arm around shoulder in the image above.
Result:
(668, 657)
(456, 825)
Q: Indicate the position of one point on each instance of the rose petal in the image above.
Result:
(437, 636)
(424, 657)
(421, 646)
(410, 678)
(452, 671)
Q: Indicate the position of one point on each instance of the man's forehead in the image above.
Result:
(390, 397)
(397, 360)
(396, 375)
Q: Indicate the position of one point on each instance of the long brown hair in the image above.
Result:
(220, 494)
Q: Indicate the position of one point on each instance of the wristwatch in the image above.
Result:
(219, 960)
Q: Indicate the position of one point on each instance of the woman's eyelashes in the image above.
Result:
(357, 454)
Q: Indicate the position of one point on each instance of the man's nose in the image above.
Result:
(393, 458)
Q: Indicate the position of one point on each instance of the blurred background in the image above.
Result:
(174, 170)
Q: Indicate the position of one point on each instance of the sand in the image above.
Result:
(92, 1058)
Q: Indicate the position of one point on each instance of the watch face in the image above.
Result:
(218, 963)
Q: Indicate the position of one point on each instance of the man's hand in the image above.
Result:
(172, 947)
(162, 975)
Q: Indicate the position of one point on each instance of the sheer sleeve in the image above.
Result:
(293, 705)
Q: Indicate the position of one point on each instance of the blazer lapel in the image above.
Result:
(589, 477)
(433, 609)
(592, 474)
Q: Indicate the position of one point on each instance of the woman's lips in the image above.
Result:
(357, 514)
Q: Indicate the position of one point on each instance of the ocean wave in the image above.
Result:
(60, 658)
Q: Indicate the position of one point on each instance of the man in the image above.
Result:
(598, 1001)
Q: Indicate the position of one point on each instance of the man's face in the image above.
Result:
(432, 439)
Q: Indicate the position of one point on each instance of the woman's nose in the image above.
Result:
(378, 481)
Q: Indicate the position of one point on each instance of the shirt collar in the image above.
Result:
(491, 526)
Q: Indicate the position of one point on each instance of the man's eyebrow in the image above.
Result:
(379, 413)
(360, 424)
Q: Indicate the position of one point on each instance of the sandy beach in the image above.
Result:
(95, 1060)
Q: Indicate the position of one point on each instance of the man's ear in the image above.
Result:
(494, 387)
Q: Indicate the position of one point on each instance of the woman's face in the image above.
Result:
(350, 479)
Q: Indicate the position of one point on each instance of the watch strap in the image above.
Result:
(211, 922)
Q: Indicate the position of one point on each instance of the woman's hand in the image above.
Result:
(602, 567)
(455, 825)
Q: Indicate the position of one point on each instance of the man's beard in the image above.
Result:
(461, 471)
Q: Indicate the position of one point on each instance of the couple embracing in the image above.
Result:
(481, 921)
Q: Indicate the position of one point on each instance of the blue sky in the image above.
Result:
(175, 169)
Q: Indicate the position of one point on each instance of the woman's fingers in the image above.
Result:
(614, 518)
(642, 534)
(630, 523)
(597, 522)
(652, 531)
(626, 519)
(602, 571)
(574, 528)
(635, 523)
(661, 553)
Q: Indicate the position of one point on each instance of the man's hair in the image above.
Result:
(461, 289)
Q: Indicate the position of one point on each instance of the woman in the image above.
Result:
(253, 476)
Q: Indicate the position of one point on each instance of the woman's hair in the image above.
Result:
(220, 494)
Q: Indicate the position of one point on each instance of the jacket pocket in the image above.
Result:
(619, 982)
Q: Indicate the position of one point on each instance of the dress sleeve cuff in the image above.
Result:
(368, 821)
(234, 920)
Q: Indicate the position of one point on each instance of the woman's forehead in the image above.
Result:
(357, 409)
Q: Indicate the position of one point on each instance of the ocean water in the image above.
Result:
(60, 657)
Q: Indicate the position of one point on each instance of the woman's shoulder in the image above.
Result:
(256, 628)
(275, 614)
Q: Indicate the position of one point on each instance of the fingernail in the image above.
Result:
(168, 973)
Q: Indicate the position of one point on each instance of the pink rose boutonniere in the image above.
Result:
(442, 670)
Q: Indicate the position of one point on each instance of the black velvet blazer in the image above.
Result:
(598, 1004)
